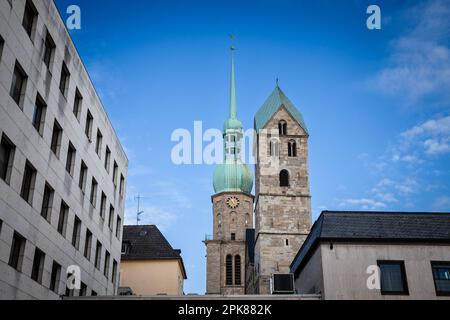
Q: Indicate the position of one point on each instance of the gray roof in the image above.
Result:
(375, 227)
(276, 100)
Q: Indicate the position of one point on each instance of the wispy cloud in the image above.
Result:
(362, 204)
(151, 215)
(419, 63)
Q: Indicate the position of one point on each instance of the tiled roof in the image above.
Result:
(375, 227)
(272, 105)
(146, 243)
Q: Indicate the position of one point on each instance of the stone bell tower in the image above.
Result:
(232, 210)
(283, 200)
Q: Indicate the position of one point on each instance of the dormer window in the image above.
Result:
(282, 127)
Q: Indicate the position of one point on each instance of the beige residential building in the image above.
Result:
(376, 256)
(150, 266)
(62, 167)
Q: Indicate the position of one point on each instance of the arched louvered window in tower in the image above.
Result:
(237, 270)
(274, 149)
(229, 270)
(282, 127)
(292, 148)
(284, 178)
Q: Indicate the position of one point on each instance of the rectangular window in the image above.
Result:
(76, 233)
(441, 276)
(77, 104)
(38, 266)
(56, 138)
(88, 245)
(111, 217)
(55, 277)
(115, 172)
(18, 85)
(98, 143)
(49, 49)
(233, 236)
(122, 185)
(83, 177)
(98, 255)
(47, 202)
(89, 124)
(106, 267)
(29, 18)
(28, 182)
(39, 114)
(70, 163)
(83, 290)
(114, 272)
(65, 79)
(93, 197)
(118, 227)
(107, 159)
(103, 206)
(7, 150)
(2, 45)
(62, 221)
(17, 251)
(393, 278)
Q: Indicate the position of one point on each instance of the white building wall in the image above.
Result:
(16, 214)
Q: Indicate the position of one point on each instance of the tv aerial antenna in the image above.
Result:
(139, 212)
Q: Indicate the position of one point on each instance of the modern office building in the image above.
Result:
(62, 167)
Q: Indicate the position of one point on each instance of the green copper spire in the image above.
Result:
(233, 175)
(232, 123)
(233, 105)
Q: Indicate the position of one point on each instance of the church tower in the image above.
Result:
(283, 200)
(232, 210)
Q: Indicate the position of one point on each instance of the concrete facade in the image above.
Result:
(282, 214)
(340, 272)
(229, 232)
(20, 50)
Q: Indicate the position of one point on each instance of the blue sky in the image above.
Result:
(376, 102)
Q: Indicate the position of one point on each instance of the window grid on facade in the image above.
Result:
(65, 80)
(56, 139)
(39, 115)
(17, 252)
(98, 255)
(77, 104)
(7, 150)
(103, 206)
(115, 173)
(38, 265)
(106, 266)
(28, 183)
(114, 272)
(83, 177)
(118, 227)
(2, 45)
(93, 197)
(62, 220)
(49, 49)
(88, 245)
(107, 159)
(122, 185)
(111, 217)
(47, 202)
(89, 124)
(70, 162)
(18, 85)
(393, 278)
(29, 18)
(76, 233)
(98, 143)
(441, 277)
(55, 277)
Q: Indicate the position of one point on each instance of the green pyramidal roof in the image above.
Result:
(272, 105)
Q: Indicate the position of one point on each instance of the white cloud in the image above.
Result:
(419, 64)
(363, 204)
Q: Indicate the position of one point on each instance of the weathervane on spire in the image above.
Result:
(232, 38)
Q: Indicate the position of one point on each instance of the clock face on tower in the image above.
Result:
(233, 202)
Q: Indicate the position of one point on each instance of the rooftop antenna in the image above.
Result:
(139, 212)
